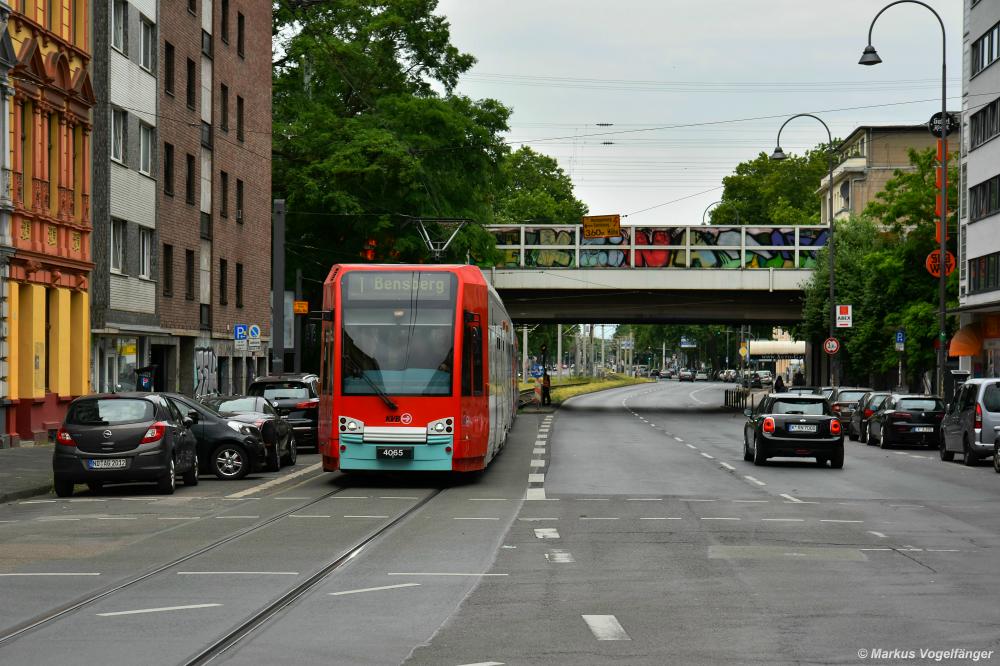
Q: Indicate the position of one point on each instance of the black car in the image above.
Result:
(261, 415)
(857, 429)
(907, 419)
(789, 425)
(119, 437)
(844, 401)
(296, 397)
(751, 380)
(229, 446)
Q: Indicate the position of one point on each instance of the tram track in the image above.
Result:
(18, 630)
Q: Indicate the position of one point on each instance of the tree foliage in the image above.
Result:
(534, 188)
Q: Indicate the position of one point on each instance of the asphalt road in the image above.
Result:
(626, 528)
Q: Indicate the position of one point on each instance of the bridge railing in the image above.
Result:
(563, 246)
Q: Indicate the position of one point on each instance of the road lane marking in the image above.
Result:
(752, 479)
(540, 442)
(402, 497)
(308, 515)
(87, 499)
(292, 498)
(237, 573)
(943, 550)
(275, 482)
(751, 501)
(606, 628)
(366, 516)
(785, 520)
(830, 520)
(644, 499)
(791, 499)
(541, 436)
(878, 534)
(535, 494)
(707, 456)
(901, 453)
(158, 610)
(343, 497)
(56, 520)
(721, 518)
(117, 518)
(662, 518)
(728, 466)
(537, 463)
(179, 518)
(535, 520)
(72, 573)
(472, 518)
(485, 663)
(699, 500)
(536, 478)
(598, 518)
(559, 557)
(679, 440)
(374, 589)
(38, 502)
(546, 533)
(907, 506)
(489, 499)
(875, 549)
(426, 573)
(230, 517)
(592, 499)
(538, 452)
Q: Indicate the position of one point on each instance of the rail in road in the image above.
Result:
(644, 246)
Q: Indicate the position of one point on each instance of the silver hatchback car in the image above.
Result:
(972, 422)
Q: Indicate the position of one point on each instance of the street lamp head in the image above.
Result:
(778, 154)
(869, 56)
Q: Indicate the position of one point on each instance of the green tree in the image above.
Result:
(766, 191)
(533, 187)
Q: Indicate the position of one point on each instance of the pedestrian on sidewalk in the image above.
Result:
(546, 388)
(779, 385)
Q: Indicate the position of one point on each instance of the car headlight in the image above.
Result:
(241, 428)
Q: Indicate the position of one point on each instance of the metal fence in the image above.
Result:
(739, 247)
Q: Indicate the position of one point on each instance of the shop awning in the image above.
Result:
(968, 341)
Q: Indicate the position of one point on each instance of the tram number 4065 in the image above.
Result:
(394, 452)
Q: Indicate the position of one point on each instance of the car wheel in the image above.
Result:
(969, 459)
(882, 444)
(191, 476)
(293, 452)
(230, 462)
(95, 486)
(273, 459)
(746, 449)
(167, 483)
(758, 454)
(837, 461)
(63, 487)
(946, 455)
(996, 458)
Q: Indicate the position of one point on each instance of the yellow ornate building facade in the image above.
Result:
(48, 327)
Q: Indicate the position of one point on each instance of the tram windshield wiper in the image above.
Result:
(375, 387)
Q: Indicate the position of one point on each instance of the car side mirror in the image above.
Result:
(748, 412)
(193, 416)
(188, 421)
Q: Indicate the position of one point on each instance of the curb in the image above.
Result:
(25, 493)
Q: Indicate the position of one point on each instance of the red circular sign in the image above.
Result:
(933, 263)
(405, 418)
(831, 346)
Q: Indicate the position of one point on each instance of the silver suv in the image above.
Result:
(972, 423)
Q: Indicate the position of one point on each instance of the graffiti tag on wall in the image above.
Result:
(206, 371)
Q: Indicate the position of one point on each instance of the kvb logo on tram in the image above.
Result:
(405, 418)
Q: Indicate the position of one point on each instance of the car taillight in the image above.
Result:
(868, 413)
(835, 427)
(979, 416)
(901, 416)
(768, 426)
(154, 433)
(63, 437)
(312, 403)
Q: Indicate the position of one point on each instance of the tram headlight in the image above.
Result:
(350, 425)
(441, 426)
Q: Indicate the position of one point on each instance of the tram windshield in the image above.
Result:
(398, 333)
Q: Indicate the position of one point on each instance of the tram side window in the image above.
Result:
(472, 360)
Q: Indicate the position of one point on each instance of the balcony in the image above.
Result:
(40, 195)
(17, 188)
(67, 203)
(5, 178)
(85, 214)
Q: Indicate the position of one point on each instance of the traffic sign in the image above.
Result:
(253, 332)
(933, 263)
(253, 344)
(300, 307)
(947, 122)
(845, 316)
(240, 332)
(831, 346)
(743, 351)
(900, 336)
(536, 371)
(241, 345)
(601, 226)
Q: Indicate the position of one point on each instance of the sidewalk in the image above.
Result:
(25, 472)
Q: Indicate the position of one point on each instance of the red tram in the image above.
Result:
(418, 369)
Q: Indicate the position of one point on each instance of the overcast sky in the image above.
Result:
(566, 65)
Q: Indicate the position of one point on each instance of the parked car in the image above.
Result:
(685, 375)
(826, 391)
(972, 421)
(795, 426)
(766, 378)
(701, 376)
(907, 419)
(867, 406)
(801, 390)
(751, 380)
(229, 446)
(296, 397)
(275, 432)
(844, 401)
(119, 437)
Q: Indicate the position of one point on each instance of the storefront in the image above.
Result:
(977, 344)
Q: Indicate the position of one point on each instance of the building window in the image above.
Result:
(118, 235)
(984, 273)
(205, 311)
(962, 254)
(168, 168)
(240, 33)
(206, 226)
(985, 50)
(963, 182)
(206, 44)
(167, 270)
(119, 19)
(239, 201)
(147, 39)
(118, 118)
(206, 135)
(223, 194)
(223, 282)
(145, 149)
(189, 274)
(224, 22)
(189, 180)
(190, 83)
(984, 199)
(224, 108)
(984, 124)
(239, 285)
(239, 118)
(145, 253)
(168, 68)
(193, 7)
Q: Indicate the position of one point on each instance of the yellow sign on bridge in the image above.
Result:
(602, 226)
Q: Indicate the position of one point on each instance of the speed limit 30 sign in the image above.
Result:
(831, 346)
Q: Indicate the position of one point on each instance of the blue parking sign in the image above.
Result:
(900, 336)
(240, 332)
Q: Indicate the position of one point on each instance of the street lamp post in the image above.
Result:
(714, 203)
(871, 57)
(779, 154)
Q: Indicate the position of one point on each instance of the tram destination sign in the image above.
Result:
(395, 286)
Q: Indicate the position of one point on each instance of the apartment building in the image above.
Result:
(977, 343)
(213, 217)
(866, 161)
(48, 308)
(7, 60)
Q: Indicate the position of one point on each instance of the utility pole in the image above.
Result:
(278, 287)
(524, 352)
(298, 322)
(559, 356)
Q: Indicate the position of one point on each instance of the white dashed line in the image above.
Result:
(791, 499)
(679, 440)
(699, 500)
(535, 494)
(751, 501)
(179, 518)
(302, 515)
(878, 534)
(12, 575)
(546, 533)
(538, 452)
(400, 497)
(875, 549)
(116, 518)
(592, 499)
(535, 520)
(276, 482)
(597, 518)
(755, 480)
(727, 466)
(559, 557)
(158, 610)
(425, 573)
(606, 628)
(375, 589)
(536, 478)
(643, 499)
(472, 518)
(943, 550)
(491, 499)
(237, 573)
(692, 447)
(537, 463)
(705, 455)
(830, 520)
(235, 517)
(721, 518)
(661, 518)
(366, 516)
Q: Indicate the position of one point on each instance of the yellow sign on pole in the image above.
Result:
(300, 307)
(602, 226)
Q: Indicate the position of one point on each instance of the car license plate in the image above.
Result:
(801, 427)
(923, 429)
(107, 463)
(394, 452)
